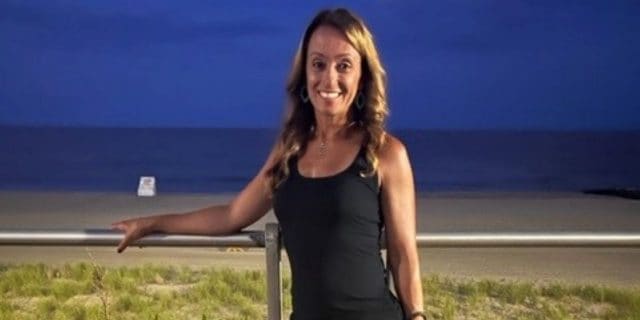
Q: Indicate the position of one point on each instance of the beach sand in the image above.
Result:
(437, 212)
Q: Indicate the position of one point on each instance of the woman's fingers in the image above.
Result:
(128, 230)
(133, 229)
(128, 240)
(118, 226)
(124, 244)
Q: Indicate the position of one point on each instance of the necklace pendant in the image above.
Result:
(323, 149)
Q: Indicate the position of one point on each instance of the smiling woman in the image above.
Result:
(332, 176)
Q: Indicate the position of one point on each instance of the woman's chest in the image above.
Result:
(347, 197)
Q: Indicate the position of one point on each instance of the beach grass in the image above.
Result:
(88, 291)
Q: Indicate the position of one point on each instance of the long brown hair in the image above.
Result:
(300, 119)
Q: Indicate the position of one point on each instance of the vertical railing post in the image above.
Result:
(272, 246)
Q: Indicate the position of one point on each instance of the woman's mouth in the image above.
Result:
(329, 95)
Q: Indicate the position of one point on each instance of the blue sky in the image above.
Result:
(451, 64)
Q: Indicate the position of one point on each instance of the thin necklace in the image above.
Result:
(323, 149)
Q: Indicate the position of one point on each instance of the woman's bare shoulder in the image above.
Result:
(392, 150)
(393, 159)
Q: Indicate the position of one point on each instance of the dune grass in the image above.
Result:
(87, 291)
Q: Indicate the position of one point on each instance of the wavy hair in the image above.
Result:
(300, 119)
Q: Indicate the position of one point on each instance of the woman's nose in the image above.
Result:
(330, 77)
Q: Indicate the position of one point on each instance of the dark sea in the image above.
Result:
(224, 160)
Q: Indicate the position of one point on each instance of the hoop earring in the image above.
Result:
(304, 95)
(360, 101)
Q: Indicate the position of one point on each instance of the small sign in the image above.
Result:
(147, 187)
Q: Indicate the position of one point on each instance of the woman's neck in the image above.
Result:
(330, 129)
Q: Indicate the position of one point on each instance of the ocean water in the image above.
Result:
(224, 160)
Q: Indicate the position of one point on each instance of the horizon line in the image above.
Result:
(521, 129)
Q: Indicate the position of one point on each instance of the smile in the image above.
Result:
(329, 95)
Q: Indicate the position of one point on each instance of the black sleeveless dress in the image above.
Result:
(331, 228)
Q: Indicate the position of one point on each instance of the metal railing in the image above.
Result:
(270, 240)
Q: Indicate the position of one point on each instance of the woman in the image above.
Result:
(334, 179)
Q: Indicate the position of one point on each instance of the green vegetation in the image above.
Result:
(486, 299)
(86, 291)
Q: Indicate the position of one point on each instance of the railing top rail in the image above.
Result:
(106, 237)
(530, 239)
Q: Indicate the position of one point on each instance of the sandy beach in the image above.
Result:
(437, 212)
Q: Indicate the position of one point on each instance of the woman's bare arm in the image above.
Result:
(399, 209)
(248, 206)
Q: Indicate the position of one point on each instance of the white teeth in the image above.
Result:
(329, 95)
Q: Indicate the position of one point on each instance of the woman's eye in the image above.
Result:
(317, 65)
(344, 66)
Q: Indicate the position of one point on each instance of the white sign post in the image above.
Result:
(147, 187)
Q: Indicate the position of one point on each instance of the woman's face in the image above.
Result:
(333, 71)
